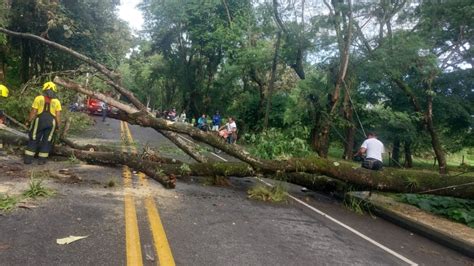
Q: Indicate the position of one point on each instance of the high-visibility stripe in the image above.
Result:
(1, 145)
(29, 153)
(43, 154)
(35, 129)
(50, 137)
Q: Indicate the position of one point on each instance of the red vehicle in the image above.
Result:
(94, 106)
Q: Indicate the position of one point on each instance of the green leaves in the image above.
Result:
(279, 144)
(459, 210)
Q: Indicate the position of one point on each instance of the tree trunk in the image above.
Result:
(350, 129)
(435, 142)
(298, 171)
(396, 152)
(408, 156)
(344, 37)
(272, 80)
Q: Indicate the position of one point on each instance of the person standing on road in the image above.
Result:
(104, 107)
(3, 95)
(373, 148)
(45, 118)
(216, 121)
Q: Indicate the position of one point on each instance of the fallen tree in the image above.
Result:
(305, 172)
(299, 171)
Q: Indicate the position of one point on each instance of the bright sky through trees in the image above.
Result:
(129, 12)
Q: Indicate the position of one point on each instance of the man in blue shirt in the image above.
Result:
(216, 121)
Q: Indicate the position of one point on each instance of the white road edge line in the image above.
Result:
(188, 140)
(401, 257)
(223, 159)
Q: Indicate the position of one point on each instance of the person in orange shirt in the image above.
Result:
(45, 118)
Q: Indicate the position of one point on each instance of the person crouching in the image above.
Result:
(44, 119)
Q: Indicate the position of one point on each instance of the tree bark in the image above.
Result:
(344, 42)
(350, 129)
(396, 152)
(408, 156)
(142, 118)
(272, 80)
(299, 171)
(435, 142)
(110, 74)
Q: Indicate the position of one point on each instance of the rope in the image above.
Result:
(444, 188)
(352, 107)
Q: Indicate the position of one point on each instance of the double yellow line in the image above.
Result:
(133, 246)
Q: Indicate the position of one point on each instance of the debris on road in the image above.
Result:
(69, 239)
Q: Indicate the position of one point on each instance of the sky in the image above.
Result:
(129, 12)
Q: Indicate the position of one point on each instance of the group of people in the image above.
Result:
(43, 120)
(228, 131)
(172, 115)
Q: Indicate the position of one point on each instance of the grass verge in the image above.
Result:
(277, 193)
(7, 203)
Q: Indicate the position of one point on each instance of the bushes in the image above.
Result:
(279, 144)
(459, 210)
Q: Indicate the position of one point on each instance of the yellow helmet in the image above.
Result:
(50, 86)
(3, 91)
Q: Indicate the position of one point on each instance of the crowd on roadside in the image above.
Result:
(227, 130)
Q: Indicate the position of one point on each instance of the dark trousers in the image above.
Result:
(41, 136)
(372, 164)
(104, 114)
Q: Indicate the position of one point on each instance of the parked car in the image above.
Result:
(94, 106)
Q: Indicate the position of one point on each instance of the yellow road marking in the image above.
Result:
(132, 235)
(160, 240)
(134, 249)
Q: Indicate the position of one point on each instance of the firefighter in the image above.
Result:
(3, 96)
(45, 117)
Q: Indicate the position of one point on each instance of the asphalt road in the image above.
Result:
(202, 225)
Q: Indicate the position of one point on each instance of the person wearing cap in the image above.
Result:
(3, 95)
(45, 118)
(373, 148)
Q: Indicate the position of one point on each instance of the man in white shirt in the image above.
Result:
(231, 130)
(373, 148)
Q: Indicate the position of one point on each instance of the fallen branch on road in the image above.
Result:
(395, 180)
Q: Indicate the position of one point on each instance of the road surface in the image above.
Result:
(138, 222)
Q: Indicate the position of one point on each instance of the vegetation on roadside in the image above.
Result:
(279, 144)
(79, 122)
(459, 210)
(277, 193)
(220, 181)
(36, 189)
(7, 203)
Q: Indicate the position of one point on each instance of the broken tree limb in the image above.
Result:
(151, 169)
(110, 74)
(114, 77)
(143, 118)
(16, 122)
(297, 171)
(389, 180)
